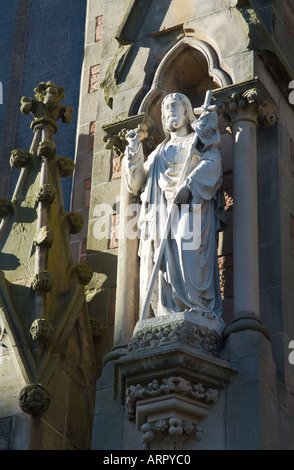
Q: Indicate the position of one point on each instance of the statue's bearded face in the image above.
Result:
(174, 113)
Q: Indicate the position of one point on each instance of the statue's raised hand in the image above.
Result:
(135, 136)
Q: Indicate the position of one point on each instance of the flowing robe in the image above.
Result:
(188, 277)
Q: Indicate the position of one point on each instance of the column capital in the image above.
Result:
(247, 101)
(251, 106)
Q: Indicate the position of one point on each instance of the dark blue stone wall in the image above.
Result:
(54, 51)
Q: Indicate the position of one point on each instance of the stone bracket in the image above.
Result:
(168, 391)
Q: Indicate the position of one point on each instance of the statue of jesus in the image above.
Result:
(188, 277)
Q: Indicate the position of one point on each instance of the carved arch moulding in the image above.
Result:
(191, 67)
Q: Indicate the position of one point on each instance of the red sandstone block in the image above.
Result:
(99, 28)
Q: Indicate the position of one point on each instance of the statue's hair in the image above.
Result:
(188, 111)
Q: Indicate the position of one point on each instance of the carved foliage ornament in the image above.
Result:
(188, 334)
(169, 434)
(20, 158)
(252, 101)
(157, 388)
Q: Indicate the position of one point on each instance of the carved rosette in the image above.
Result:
(46, 194)
(20, 158)
(41, 329)
(174, 398)
(34, 399)
(43, 281)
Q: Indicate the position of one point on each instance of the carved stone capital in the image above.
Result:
(41, 329)
(20, 158)
(43, 281)
(251, 106)
(34, 399)
(46, 194)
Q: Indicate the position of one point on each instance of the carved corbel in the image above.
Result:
(169, 411)
(115, 133)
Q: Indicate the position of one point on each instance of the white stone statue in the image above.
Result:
(188, 278)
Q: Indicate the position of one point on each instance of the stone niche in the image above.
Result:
(170, 377)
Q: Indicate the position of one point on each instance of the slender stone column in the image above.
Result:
(126, 311)
(246, 110)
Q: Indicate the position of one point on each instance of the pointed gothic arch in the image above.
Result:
(191, 67)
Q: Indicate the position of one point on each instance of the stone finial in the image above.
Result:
(45, 106)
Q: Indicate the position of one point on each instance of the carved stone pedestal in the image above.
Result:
(172, 377)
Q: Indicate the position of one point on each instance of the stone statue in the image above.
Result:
(188, 278)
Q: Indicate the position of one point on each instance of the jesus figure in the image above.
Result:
(188, 277)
